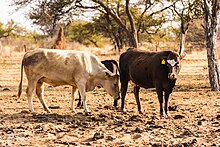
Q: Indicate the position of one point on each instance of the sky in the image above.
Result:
(8, 12)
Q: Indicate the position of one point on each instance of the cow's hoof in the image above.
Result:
(116, 108)
(124, 111)
(80, 106)
(88, 114)
(74, 111)
(49, 112)
(164, 116)
(168, 115)
(141, 112)
(33, 113)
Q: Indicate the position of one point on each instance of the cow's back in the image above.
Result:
(143, 68)
(62, 66)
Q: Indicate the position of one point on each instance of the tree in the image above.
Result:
(49, 13)
(187, 11)
(211, 19)
(84, 33)
(8, 29)
(108, 8)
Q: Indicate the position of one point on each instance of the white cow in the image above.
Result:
(80, 69)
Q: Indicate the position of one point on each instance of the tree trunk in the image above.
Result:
(132, 33)
(183, 29)
(211, 14)
(182, 43)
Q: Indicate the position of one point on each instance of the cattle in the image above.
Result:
(79, 69)
(149, 70)
(112, 66)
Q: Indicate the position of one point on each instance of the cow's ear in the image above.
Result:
(163, 61)
(107, 75)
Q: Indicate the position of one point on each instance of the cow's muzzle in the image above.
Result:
(172, 76)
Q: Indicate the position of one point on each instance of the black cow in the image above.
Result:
(112, 66)
(149, 70)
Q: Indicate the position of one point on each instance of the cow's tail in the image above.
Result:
(20, 85)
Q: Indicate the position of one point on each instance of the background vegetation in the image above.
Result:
(157, 24)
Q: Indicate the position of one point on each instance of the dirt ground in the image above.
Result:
(194, 110)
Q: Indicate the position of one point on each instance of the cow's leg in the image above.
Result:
(115, 104)
(82, 92)
(80, 104)
(136, 94)
(40, 95)
(124, 87)
(167, 94)
(160, 98)
(30, 88)
(74, 93)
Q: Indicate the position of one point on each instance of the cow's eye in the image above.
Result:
(177, 67)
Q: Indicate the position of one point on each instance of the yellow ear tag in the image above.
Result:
(163, 61)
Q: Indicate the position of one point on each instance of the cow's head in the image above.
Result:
(111, 85)
(173, 64)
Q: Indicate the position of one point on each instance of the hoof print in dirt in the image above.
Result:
(179, 117)
(172, 108)
(98, 135)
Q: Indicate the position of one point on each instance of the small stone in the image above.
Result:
(88, 143)
(136, 136)
(139, 130)
(6, 89)
(54, 107)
